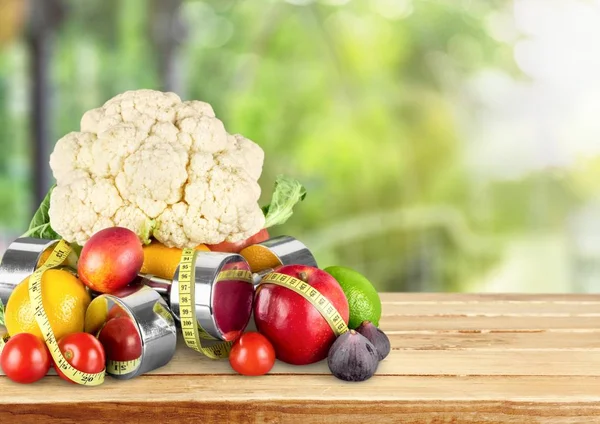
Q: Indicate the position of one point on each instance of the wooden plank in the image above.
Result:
(425, 362)
(446, 354)
(281, 399)
(307, 412)
(490, 297)
(482, 323)
(508, 341)
(510, 353)
(450, 309)
(432, 355)
(207, 388)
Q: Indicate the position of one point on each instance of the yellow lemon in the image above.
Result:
(96, 315)
(44, 256)
(65, 301)
(162, 261)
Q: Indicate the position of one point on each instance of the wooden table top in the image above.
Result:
(455, 358)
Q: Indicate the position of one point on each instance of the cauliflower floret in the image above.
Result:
(153, 191)
(70, 152)
(161, 167)
(73, 205)
(244, 154)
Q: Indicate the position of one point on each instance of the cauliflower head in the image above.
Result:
(161, 167)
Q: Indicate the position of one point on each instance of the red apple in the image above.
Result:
(116, 312)
(236, 247)
(121, 339)
(298, 332)
(110, 260)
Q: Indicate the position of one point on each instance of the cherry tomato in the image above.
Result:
(25, 358)
(83, 351)
(121, 340)
(252, 354)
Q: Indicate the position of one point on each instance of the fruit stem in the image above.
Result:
(303, 276)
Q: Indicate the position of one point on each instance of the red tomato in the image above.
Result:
(252, 354)
(83, 351)
(236, 247)
(25, 358)
(121, 339)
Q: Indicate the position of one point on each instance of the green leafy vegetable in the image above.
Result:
(288, 192)
(40, 224)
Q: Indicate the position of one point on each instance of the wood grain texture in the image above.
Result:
(430, 361)
(305, 412)
(265, 399)
(455, 358)
(489, 297)
(483, 323)
(490, 309)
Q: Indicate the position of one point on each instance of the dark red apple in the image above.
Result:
(121, 340)
(236, 247)
(116, 312)
(110, 259)
(297, 330)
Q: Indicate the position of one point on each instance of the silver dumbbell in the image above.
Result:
(223, 304)
(135, 327)
(20, 260)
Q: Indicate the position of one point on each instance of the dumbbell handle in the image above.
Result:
(160, 285)
(163, 286)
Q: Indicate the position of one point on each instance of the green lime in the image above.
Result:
(363, 299)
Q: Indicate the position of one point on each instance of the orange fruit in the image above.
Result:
(65, 301)
(260, 258)
(162, 261)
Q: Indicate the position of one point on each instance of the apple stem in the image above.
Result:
(302, 275)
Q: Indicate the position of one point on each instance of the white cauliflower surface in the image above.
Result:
(161, 167)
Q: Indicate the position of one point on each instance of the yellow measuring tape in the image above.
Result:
(57, 257)
(320, 302)
(235, 274)
(193, 334)
(122, 367)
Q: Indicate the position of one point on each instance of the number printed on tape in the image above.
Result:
(235, 274)
(123, 367)
(192, 332)
(57, 257)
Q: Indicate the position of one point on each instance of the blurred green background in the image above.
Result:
(446, 145)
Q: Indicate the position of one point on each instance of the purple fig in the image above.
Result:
(352, 357)
(377, 337)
